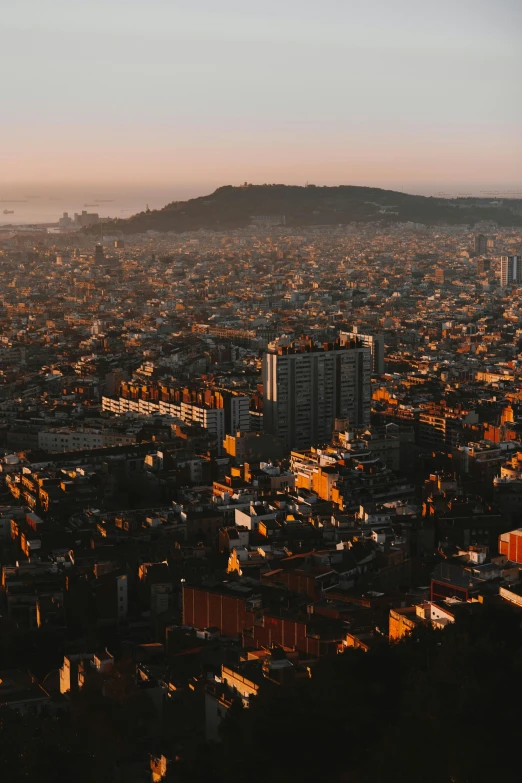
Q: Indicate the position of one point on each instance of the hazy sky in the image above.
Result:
(190, 94)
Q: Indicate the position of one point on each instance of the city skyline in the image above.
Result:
(171, 96)
(260, 391)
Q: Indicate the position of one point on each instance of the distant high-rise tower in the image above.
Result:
(307, 387)
(510, 270)
(481, 244)
(483, 265)
(98, 253)
(375, 342)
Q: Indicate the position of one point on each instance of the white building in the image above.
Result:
(510, 270)
(64, 439)
(211, 419)
(250, 518)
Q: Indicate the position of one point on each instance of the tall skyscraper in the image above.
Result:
(307, 386)
(481, 244)
(375, 342)
(510, 270)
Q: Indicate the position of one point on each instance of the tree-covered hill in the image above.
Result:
(234, 207)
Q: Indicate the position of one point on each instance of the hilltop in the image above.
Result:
(232, 207)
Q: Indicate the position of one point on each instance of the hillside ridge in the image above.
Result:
(232, 207)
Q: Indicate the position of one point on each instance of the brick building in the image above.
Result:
(510, 545)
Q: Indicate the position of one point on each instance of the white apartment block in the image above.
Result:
(63, 439)
(211, 419)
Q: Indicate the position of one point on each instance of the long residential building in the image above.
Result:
(211, 419)
(67, 439)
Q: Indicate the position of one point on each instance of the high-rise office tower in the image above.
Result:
(99, 255)
(375, 342)
(510, 270)
(481, 244)
(307, 386)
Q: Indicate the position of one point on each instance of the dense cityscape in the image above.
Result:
(259, 485)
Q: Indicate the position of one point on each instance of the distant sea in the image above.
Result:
(45, 204)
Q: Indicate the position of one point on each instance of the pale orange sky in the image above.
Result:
(193, 95)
